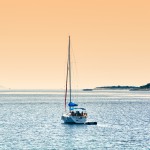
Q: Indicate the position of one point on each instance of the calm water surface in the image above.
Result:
(31, 120)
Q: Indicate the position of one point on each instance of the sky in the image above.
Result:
(110, 43)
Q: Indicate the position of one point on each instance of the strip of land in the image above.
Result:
(131, 88)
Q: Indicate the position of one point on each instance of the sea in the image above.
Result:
(31, 120)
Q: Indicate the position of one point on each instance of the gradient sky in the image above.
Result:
(110, 40)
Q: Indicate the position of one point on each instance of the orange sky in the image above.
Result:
(110, 41)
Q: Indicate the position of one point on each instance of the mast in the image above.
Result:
(68, 75)
(69, 63)
(66, 86)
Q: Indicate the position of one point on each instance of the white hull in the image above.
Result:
(73, 119)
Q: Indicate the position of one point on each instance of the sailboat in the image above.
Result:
(75, 115)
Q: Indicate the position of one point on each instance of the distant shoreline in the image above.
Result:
(130, 88)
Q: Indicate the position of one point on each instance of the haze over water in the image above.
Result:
(31, 120)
